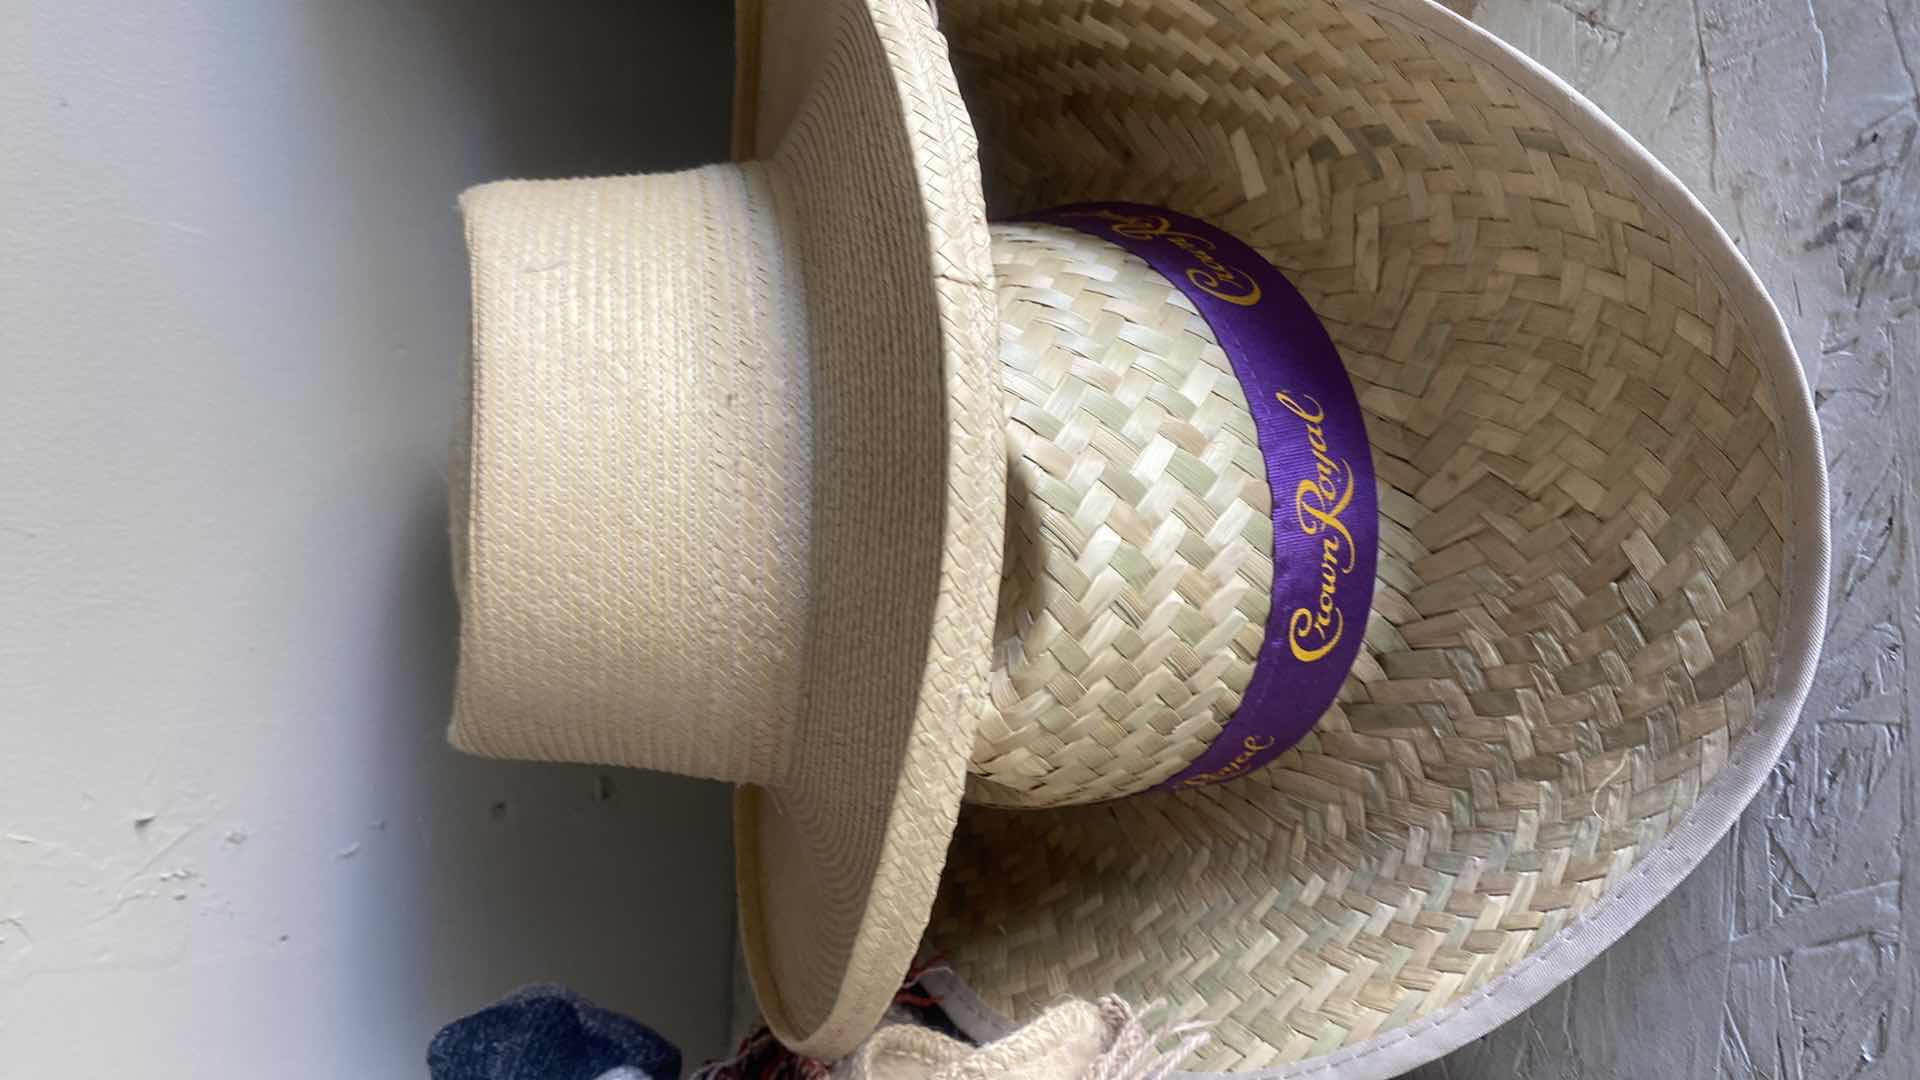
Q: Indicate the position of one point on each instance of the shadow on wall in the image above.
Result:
(615, 882)
(594, 87)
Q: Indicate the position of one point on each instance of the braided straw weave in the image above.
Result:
(1140, 543)
(1583, 495)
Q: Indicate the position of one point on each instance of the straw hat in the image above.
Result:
(733, 498)
(799, 474)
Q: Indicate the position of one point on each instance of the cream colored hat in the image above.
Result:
(763, 490)
(733, 500)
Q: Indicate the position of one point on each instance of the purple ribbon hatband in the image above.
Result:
(1314, 444)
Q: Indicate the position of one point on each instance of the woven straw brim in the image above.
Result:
(1599, 472)
(837, 865)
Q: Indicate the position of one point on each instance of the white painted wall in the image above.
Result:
(232, 329)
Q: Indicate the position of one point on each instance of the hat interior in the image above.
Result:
(1587, 600)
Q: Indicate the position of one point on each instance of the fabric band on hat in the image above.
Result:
(1314, 444)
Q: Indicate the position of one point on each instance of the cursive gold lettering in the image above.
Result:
(1318, 414)
(1318, 503)
(1250, 748)
(1212, 276)
(1222, 278)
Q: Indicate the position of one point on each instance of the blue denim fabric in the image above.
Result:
(548, 1033)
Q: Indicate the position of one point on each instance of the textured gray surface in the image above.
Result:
(1786, 954)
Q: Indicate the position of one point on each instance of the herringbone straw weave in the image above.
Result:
(1140, 543)
(1601, 510)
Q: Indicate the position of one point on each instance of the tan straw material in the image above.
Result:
(1140, 539)
(736, 498)
(741, 477)
(1602, 515)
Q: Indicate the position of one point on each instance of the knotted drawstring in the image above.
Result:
(1134, 1052)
